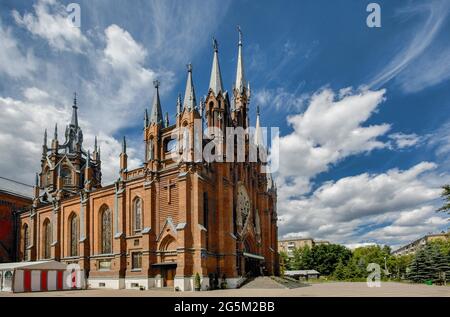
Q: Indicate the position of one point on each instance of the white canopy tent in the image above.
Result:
(39, 276)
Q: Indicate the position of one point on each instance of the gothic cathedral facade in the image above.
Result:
(162, 223)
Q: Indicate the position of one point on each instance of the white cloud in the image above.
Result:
(384, 206)
(13, 61)
(50, 22)
(121, 50)
(429, 70)
(435, 14)
(280, 99)
(327, 131)
(403, 140)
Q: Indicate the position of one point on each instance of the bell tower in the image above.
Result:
(63, 165)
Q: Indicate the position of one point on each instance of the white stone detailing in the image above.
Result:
(137, 283)
(112, 283)
(187, 283)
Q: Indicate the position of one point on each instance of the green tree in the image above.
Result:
(284, 260)
(325, 257)
(339, 272)
(302, 258)
(446, 197)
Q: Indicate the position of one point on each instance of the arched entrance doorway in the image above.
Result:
(167, 264)
(253, 262)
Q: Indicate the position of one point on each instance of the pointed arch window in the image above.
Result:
(106, 230)
(74, 235)
(47, 233)
(66, 175)
(26, 242)
(137, 215)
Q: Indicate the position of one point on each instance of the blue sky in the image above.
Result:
(363, 112)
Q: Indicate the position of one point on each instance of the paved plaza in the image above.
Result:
(346, 289)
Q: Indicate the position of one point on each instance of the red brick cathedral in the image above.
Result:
(162, 223)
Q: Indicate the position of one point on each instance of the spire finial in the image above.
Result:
(240, 34)
(55, 137)
(215, 82)
(257, 110)
(36, 181)
(95, 144)
(124, 145)
(215, 45)
(45, 137)
(74, 121)
(156, 83)
(166, 120)
(189, 67)
(240, 77)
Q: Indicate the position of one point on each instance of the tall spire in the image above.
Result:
(156, 114)
(215, 83)
(74, 121)
(240, 77)
(189, 95)
(95, 144)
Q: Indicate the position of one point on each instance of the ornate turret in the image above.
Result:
(189, 95)
(156, 112)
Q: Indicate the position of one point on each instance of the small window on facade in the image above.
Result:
(136, 260)
(66, 175)
(171, 145)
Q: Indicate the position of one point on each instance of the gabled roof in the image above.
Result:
(13, 187)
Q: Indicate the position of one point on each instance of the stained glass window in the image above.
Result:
(106, 231)
(47, 239)
(74, 230)
(137, 208)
